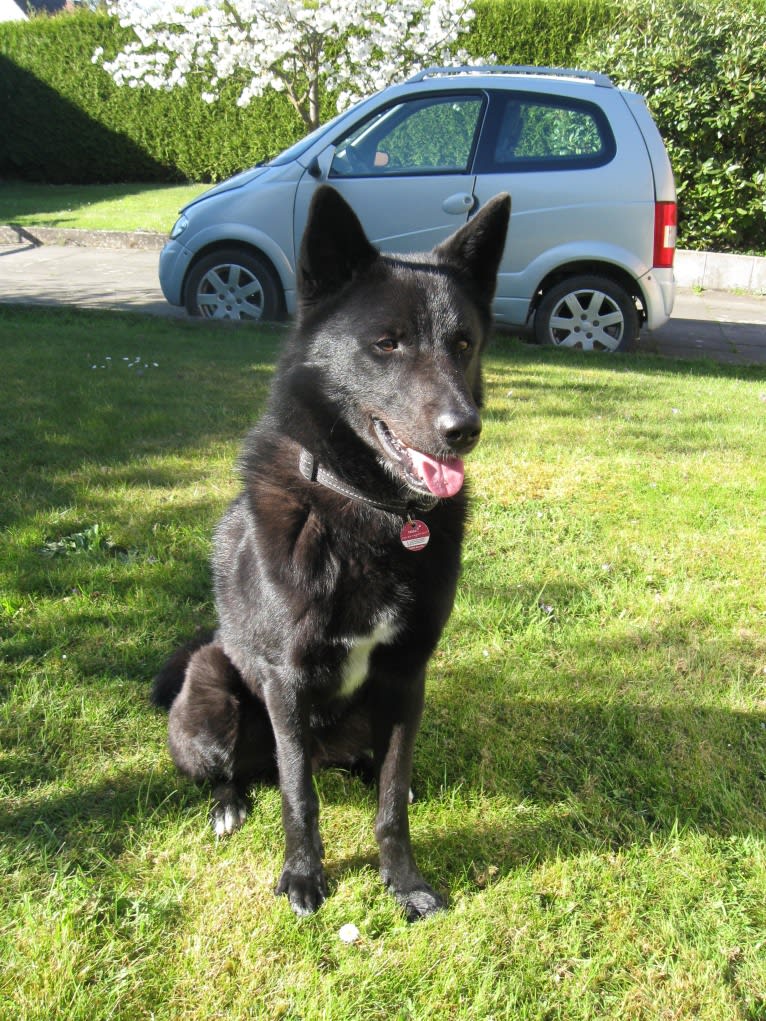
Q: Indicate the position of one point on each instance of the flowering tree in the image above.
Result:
(351, 47)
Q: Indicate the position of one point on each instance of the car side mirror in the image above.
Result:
(319, 167)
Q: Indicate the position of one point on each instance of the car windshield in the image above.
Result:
(296, 151)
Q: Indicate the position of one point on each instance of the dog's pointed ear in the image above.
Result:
(476, 249)
(334, 247)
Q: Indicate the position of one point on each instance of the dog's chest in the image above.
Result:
(356, 665)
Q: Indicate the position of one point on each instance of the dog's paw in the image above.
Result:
(305, 891)
(228, 813)
(421, 903)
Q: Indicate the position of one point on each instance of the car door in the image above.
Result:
(578, 196)
(405, 169)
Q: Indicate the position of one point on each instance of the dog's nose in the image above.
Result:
(460, 429)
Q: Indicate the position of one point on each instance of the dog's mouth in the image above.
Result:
(442, 477)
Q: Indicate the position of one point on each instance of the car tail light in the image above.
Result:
(664, 234)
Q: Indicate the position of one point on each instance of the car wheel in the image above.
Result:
(233, 284)
(590, 313)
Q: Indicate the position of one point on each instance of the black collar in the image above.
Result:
(312, 470)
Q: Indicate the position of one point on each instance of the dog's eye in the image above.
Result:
(463, 344)
(386, 345)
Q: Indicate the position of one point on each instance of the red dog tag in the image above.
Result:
(415, 535)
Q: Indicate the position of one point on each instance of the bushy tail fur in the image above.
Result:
(167, 684)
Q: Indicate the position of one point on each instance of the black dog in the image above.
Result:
(330, 603)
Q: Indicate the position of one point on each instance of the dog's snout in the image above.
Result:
(460, 429)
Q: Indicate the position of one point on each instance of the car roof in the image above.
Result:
(515, 71)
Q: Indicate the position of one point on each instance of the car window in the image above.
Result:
(430, 135)
(542, 133)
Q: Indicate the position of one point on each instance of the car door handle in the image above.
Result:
(458, 204)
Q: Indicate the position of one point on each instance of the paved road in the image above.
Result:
(720, 325)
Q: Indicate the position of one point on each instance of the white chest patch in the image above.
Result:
(360, 647)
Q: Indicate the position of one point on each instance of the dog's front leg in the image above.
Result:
(302, 880)
(395, 726)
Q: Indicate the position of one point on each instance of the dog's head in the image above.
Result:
(392, 344)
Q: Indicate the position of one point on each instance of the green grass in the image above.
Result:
(591, 768)
(121, 207)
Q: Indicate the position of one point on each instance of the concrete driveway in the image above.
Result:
(721, 325)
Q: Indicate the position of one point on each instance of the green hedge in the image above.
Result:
(63, 120)
(548, 33)
(700, 64)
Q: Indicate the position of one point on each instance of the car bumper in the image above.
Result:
(174, 262)
(658, 287)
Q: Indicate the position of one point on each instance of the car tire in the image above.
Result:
(587, 313)
(234, 283)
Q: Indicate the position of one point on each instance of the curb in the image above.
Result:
(13, 234)
(709, 271)
(716, 271)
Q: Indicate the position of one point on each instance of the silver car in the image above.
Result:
(589, 258)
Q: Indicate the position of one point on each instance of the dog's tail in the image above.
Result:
(167, 684)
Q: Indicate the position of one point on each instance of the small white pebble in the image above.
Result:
(348, 933)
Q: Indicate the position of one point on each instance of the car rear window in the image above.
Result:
(526, 132)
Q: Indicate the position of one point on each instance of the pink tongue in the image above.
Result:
(443, 478)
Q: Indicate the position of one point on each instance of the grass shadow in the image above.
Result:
(64, 150)
(93, 824)
(518, 349)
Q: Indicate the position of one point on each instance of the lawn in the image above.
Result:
(591, 770)
(128, 207)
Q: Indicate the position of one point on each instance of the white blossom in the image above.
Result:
(352, 47)
(348, 933)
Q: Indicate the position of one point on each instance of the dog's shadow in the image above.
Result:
(526, 782)
(535, 781)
